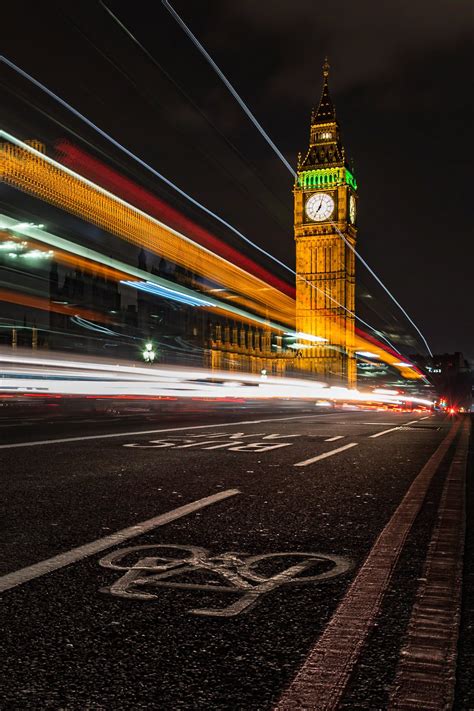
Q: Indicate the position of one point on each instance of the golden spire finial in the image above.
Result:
(326, 66)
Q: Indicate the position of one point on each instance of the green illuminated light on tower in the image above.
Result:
(326, 178)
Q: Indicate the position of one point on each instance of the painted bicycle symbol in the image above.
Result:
(250, 577)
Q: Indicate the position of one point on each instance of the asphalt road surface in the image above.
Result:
(253, 559)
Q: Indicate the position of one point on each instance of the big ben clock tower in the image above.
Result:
(325, 202)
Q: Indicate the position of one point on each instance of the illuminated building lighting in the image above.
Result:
(326, 177)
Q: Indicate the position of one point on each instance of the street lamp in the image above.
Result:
(149, 353)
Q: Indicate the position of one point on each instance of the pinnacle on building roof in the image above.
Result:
(325, 112)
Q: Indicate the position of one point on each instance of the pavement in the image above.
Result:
(196, 559)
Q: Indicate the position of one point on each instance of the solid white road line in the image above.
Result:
(333, 439)
(24, 575)
(392, 429)
(325, 455)
(145, 432)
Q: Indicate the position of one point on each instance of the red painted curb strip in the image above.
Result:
(426, 673)
(323, 677)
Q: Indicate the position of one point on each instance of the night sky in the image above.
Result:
(401, 79)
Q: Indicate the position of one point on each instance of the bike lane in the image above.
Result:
(92, 638)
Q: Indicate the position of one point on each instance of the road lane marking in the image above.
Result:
(158, 565)
(321, 681)
(333, 439)
(325, 455)
(380, 424)
(392, 429)
(426, 670)
(39, 443)
(24, 575)
(210, 438)
(384, 432)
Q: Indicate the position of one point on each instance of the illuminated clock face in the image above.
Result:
(319, 207)
(352, 209)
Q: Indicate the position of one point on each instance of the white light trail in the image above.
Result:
(168, 182)
(27, 375)
(227, 83)
(377, 278)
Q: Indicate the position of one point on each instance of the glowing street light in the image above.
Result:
(149, 353)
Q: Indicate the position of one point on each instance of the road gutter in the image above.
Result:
(321, 681)
(426, 672)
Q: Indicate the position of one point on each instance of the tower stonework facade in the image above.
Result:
(325, 208)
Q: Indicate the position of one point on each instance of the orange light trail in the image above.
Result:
(37, 302)
(29, 170)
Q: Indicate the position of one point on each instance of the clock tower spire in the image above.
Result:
(325, 203)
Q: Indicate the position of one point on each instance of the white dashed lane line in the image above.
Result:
(325, 455)
(392, 429)
(333, 439)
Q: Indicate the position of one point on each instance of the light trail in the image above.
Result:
(120, 270)
(34, 172)
(75, 254)
(43, 304)
(97, 379)
(77, 159)
(139, 160)
(369, 268)
(25, 170)
(81, 162)
(111, 140)
(267, 138)
(227, 83)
